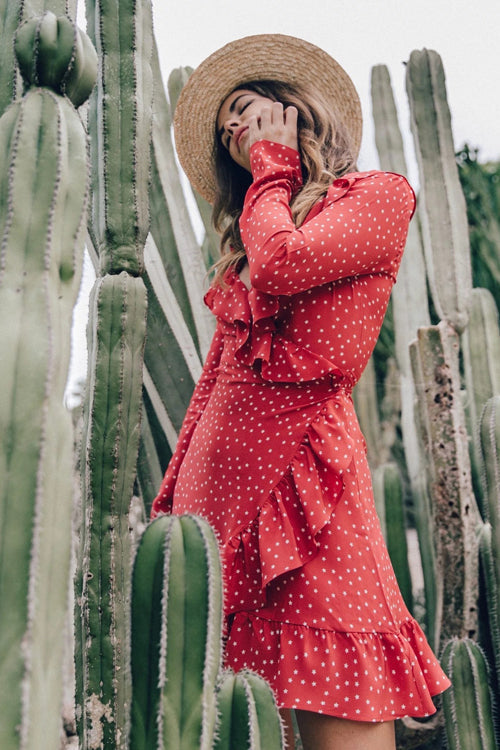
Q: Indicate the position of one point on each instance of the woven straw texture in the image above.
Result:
(261, 57)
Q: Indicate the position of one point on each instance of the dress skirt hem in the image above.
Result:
(361, 676)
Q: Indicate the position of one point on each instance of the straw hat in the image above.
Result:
(261, 57)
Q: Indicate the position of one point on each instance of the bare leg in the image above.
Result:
(286, 718)
(321, 732)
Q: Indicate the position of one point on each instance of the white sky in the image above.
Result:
(359, 34)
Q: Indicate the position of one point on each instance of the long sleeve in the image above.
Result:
(163, 501)
(360, 229)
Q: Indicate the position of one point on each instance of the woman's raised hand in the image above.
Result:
(275, 124)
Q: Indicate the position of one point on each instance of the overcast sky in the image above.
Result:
(359, 34)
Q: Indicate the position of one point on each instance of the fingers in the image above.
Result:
(275, 124)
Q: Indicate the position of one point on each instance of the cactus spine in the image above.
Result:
(468, 705)
(176, 650)
(120, 129)
(43, 199)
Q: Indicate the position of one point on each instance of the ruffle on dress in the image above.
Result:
(366, 676)
(285, 533)
(252, 316)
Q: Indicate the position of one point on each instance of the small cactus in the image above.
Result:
(180, 699)
(468, 704)
(176, 634)
(247, 713)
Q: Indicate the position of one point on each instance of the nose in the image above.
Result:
(231, 124)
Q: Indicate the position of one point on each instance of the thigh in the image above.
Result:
(322, 732)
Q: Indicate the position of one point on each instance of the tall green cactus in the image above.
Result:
(443, 213)
(468, 705)
(180, 699)
(43, 199)
(435, 357)
(411, 311)
(120, 129)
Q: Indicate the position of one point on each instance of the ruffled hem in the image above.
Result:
(252, 316)
(378, 676)
(284, 534)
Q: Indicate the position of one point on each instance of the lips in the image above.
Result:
(238, 135)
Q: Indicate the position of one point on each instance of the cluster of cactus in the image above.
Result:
(181, 698)
(450, 387)
(43, 199)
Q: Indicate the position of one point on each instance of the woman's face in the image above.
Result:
(232, 123)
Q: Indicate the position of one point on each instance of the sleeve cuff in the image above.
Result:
(270, 160)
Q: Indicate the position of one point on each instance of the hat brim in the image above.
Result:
(261, 57)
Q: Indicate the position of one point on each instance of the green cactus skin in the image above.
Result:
(492, 590)
(442, 204)
(120, 130)
(247, 713)
(468, 704)
(389, 496)
(454, 512)
(43, 199)
(10, 13)
(194, 271)
(52, 51)
(110, 445)
(489, 431)
(411, 312)
(176, 635)
(211, 243)
(481, 357)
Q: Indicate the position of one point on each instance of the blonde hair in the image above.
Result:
(325, 152)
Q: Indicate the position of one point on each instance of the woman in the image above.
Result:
(268, 129)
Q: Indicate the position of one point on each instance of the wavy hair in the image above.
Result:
(325, 152)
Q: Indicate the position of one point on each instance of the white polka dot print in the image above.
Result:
(271, 454)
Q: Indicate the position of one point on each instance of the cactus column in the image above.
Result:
(435, 356)
(120, 130)
(43, 198)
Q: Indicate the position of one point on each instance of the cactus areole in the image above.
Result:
(51, 51)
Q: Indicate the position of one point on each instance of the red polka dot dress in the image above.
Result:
(271, 454)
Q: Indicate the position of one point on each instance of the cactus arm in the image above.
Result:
(119, 125)
(443, 214)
